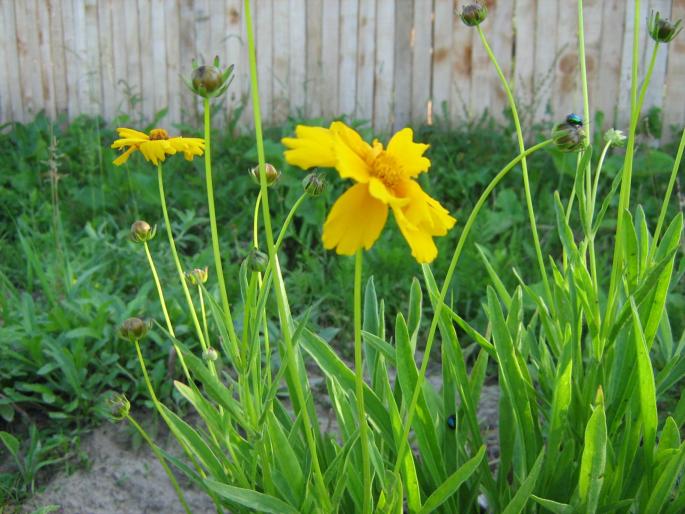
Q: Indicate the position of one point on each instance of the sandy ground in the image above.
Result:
(123, 480)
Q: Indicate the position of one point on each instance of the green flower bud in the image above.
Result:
(615, 137)
(118, 406)
(141, 232)
(198, 275)
(210, 354)
(257, 261)
(314, 184)
(209, 81)
(474, 14)
(570, 136)
(272, 174)
(662, 30)
(134, 329)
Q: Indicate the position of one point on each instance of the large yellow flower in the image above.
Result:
(156, 145)
(384, 179)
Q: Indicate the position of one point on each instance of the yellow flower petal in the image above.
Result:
(423, 211)
(410, 154)
(423, 248)
(351, 152)
(355, 221)
(128, 133)
(312, 147)
(124, 156)
(378, 190)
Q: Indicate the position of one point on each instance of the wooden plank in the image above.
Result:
(604, 94)
(90, 52)
(330, 57)
(314, 71)
(567, 94)
(623, 108)
(545, 58)
(482, 72)
(654, 96)
(105, 43)
(5, 103)
(48, 84)
(132, 82)
(366, 59)
(157, 50)
(233, 51)
(501, 41)
(174, 67)
(264, 48)
(674, 101)
(298, 51)
(460, 62)
(57, 56)
(442, 56)
(592, 19)
(147, 42)
(404, 21)
(30, 73)
(347, 80)
(188, 52)
(421, 61)
(280, 75)
(383, 102)
(524, 60)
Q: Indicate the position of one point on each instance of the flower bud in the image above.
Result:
(272, 174)
(570, 136)
(474, 14)
(141, 232)
(662, 30)
(210, 354)
(198, 275)
(133, 329)
(257, 261)
(314, 184)
(118, 406)
(615, 137)
(209, 81)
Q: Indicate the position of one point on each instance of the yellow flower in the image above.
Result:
(156, 146)
(384, 179)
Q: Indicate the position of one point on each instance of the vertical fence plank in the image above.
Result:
(567, 96)
(383, 101)
(366, 34)
(545, 58)
(329, 57)
(592, 18)
(502, 41)
(173, 66)
(298, 51)
(234, 46)
(281, 62)
(158, 80)
(44, 41)
(524, 60)
(264, 48)
(482, 72)
(421, 61)
(404, 21)
(105, 42)
(347, 80)
(461, 62)
(674, 101)
(442, 56)
(5, 101)
(314, 40)
(91, 58)
(623, 107)
(57, 56)
(30, 73)
(655, 93)
(609, 64)
(132, 82)
(188, 53)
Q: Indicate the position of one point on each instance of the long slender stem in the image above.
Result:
(162, 461)
(213, 228)
(359, 376)
(281, 300)
(524, 164)
(162, 301)
(443, 294)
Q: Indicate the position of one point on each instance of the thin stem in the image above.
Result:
(203, 314)
(359, 382)
(279, 290)
(148, 383)
(667, 198)
(213, 227)
(162, 301)
(162, 461)
(524, 164)
(443, 294)
(255, 221)
(600, 164)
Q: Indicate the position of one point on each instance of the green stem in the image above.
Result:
(162, 461)
(443, 294)
(255, 221)
(148, 383)
(203, 313)
(281, 300)
(162, 302)
(667, 198)
(213, 227)
(359, 382)
(600, 164)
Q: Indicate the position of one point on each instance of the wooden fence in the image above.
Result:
(389, 61)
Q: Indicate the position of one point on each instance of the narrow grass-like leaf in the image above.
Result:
(380, 345)
(518, 502)
(496, 281)
(593, 460)
(661, 493)
(254, 500)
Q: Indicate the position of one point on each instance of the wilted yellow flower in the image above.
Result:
(156, 145)
(384, 178)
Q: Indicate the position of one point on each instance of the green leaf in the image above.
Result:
(661, 494)
(552, 506)
(496, 281)
(379, 345)
(593, 460)
(287, 460)
(518, 502)
(11, 443)
(415, 310)
(258, 502)
(453, 482)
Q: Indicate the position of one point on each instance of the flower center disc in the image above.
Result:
(158, 133)
(385, 168)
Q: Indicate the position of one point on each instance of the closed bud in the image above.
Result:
(141, 232)
(615, 137)
(198, 275)
(257, 261)
(314, 184)
(118, 406)
(209, 81)
(662, 30)
(474, 13)
(570, 135)
(272, 174)
(134, 329)
(210, 354)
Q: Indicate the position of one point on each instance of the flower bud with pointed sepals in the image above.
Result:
(662, 30)
(210, 354)
(474, 13)
(257, 261)
(141, 232)
(134, 329)
(118, 406)
(209, 80)
(569, 136)
(615, 137)
(198, 275)
(314, 184)
(272, 174)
